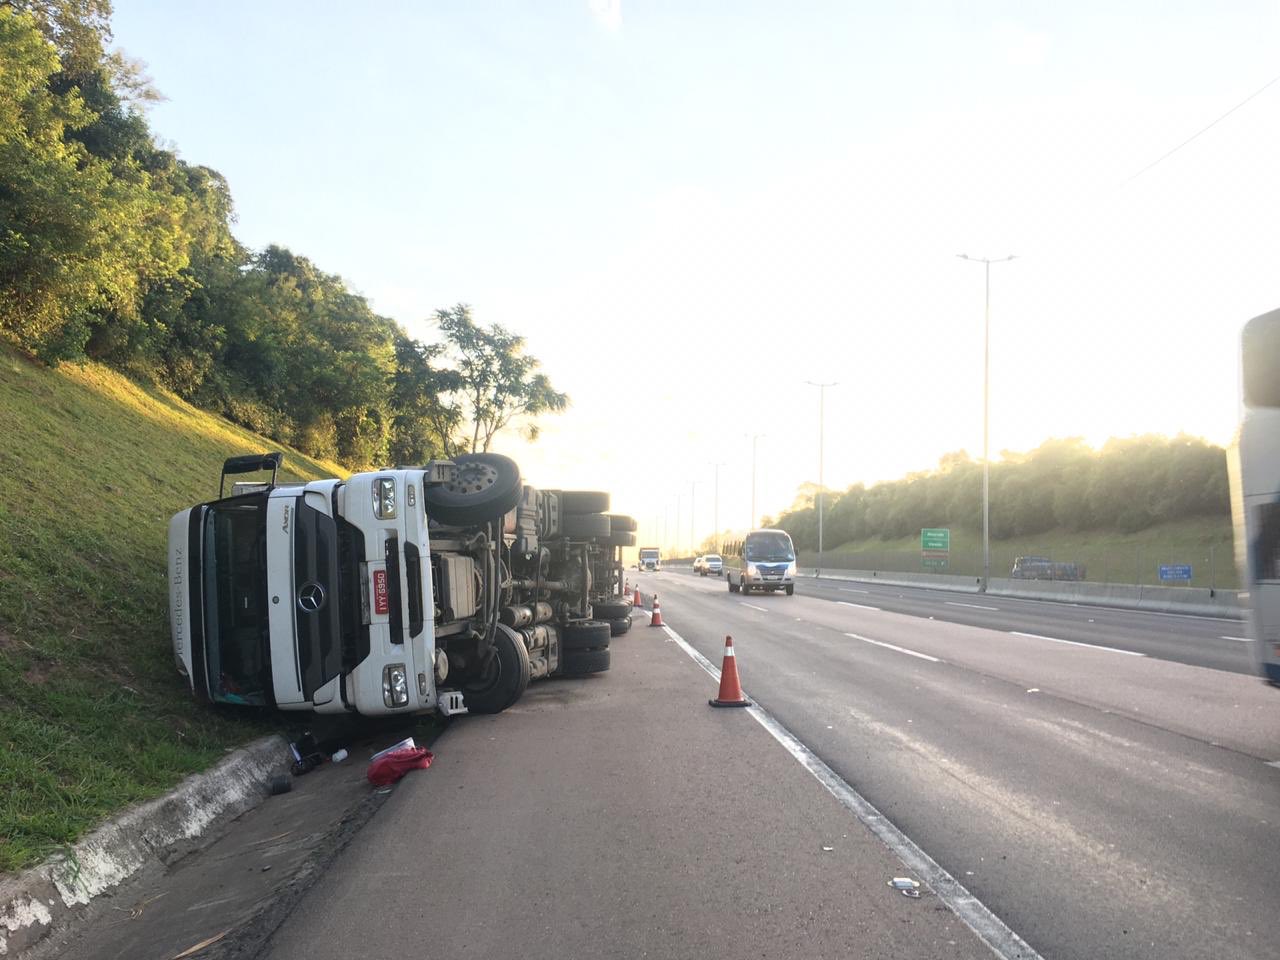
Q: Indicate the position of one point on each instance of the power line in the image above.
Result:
(1205, 130)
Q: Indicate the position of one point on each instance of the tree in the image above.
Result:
(426, 418)
(499, 381)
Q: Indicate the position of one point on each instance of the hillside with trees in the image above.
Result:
(1128, 486)
(117, 250)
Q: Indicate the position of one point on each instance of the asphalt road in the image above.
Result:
(617, 817)
(1219, 643)
(1101, 803)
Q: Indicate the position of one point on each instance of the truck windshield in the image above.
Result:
(648, 554)
(235, 616)
(764, 547)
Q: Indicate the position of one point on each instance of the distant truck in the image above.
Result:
(650, 559)
(1042, 568)
(443, 588)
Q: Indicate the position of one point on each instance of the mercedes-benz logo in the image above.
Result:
(310, 597)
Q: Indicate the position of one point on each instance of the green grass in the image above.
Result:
(1203, 542)
(93, 715)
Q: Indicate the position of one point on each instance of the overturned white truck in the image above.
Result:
(442, 588)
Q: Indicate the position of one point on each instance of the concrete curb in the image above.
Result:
(38, 900)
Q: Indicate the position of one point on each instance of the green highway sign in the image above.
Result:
(935, 540)
(936, 563)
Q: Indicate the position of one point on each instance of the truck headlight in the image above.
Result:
(791, 569)
(384, 498)
(751, 570)
(395, 685)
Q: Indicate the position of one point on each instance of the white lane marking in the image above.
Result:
(851, 590)
(860, 606)
(890, 646)
(1272, 763)
(1241, 639)
(975, 606)
(975, 915)
(1077, 643)
(754, 607)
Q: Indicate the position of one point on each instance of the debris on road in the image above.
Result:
(406, 744)
(390, 767)
(906, 886)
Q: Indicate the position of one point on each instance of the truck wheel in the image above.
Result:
(619, 626)
(583, 501)
(581, 662)
(584, 526)
(487, 487)
(610, 609)
(791, 589)
(732, 588)
(504, 680)
(620, 539)
(623, 523)
(584, 635)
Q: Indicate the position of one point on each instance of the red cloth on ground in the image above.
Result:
(387, 770)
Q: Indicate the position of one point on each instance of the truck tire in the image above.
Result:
(621, 522)
(619, 626)
(488, 486)
(791, 588)
(732, 588)
(581, 662)
(585, 526)
(620, 539)
(610, 609)
(504, 680)
(584, 635)
(583, 501)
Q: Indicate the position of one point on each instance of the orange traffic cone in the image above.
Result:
(656, 619)
(730, 688)
(636, 601)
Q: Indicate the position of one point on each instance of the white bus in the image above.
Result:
(1254, 468)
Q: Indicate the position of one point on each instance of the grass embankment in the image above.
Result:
(93, 715)
(1204, 543)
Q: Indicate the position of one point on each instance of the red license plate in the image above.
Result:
(380, 602)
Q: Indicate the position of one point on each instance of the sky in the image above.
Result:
(691, 209)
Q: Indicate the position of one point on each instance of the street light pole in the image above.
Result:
(716, 515)
(822, 395)
(986, 382)
(677, 527)
(754, 438)
(693, 514)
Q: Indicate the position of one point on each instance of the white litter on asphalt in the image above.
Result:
(975, 915)
(1077, 643)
